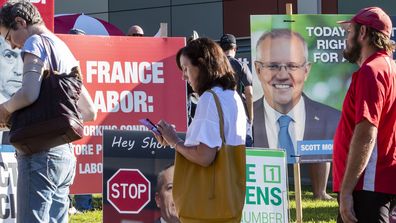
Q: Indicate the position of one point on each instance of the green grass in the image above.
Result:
(313, 210)
(95, 216)
(87, 217)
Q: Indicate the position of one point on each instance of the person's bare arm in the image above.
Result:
(361, 148)
(249, 101)
(200, 154)
(86, 106)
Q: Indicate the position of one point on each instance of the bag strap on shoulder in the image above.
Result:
(76, 71)
(50, 53)
(221, 118)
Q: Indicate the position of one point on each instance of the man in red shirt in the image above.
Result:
(364, 158)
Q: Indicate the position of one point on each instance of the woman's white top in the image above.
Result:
(205, 127)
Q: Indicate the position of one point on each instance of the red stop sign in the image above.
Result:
(128, 190)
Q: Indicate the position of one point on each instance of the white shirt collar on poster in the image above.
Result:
(296, 128)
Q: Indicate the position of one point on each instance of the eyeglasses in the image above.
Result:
(277, 67)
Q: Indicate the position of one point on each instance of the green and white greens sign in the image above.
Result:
(266, 187)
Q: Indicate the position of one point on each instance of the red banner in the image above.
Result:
(128, 79)
(46, 8)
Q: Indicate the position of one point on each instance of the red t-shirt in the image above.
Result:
(371, 96)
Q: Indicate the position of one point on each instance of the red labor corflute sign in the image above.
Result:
(128, 191)
(128, 79)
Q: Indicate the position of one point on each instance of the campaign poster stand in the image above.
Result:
(8, 181)
(133, 159)
(315, 151)
(266, 186)
(131, 163)
(128, 79)
(296, 166)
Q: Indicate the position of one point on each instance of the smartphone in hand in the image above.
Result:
(150, 125)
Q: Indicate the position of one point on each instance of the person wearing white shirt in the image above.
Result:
(206, 68)
(203, 135)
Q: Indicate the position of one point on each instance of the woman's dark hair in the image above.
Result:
(178, 55)
(23, 9)
(214, 67)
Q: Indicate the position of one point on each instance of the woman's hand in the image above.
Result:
(168, 134)
(160, 139)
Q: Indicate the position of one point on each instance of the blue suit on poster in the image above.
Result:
(320, 123)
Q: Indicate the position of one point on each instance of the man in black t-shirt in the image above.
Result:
(243, 77)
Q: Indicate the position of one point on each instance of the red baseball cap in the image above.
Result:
(373, 17)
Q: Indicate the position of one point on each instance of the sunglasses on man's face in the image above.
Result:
(136, 34)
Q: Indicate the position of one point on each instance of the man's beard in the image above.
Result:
(353, 54)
